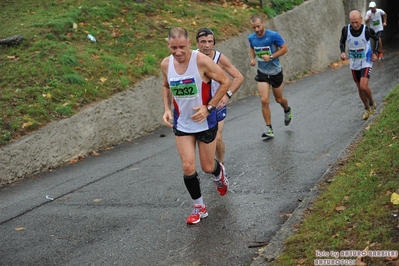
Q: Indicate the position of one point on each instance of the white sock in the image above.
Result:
(199, 201)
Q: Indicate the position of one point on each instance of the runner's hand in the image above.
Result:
(167, 117)
(201, 114)
(222, 103)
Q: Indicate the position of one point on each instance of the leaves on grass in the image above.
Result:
(302, 261)
(340, 208)
(115, 33)
(120, 26)
(395, 198)
(360, 259)
(27, 124)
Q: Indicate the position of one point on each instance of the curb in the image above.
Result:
(276, 245)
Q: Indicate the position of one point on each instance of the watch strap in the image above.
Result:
(210, 108)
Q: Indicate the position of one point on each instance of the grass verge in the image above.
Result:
(57, 70)
(354, 212)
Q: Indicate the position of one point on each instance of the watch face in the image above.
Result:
(229, 93)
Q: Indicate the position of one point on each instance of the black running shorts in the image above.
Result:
(274, 80)
(363, 73)
(206, 136)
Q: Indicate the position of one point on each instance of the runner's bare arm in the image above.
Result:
(238, 78)
(166, 94)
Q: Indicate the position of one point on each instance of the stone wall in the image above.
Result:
(311, 32)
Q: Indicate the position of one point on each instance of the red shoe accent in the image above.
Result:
(197, 214)
(222, 185)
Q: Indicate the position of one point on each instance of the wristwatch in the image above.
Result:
(229, 94)
(271, 57)
(210, 108)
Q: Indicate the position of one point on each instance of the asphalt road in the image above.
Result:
(128, 205)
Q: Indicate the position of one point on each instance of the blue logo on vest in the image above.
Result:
(356, 42)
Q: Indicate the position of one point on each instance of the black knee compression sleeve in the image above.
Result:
(193, 185)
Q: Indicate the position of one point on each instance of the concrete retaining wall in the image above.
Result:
(311, 31)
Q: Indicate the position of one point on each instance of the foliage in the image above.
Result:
(355, 211)
(274, 7)
(57, 70)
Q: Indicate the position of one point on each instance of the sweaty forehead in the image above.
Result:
(180, 37)
(178, 41)
(206, 36)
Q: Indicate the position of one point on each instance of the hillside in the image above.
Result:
(57, 70)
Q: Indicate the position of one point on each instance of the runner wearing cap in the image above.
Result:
(378, 20)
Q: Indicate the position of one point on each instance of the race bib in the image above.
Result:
(376, 22)
(359, 53)
(183, 88)
(259, 51)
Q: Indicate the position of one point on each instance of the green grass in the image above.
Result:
(275, 7)
(57, 70)
(354, 212)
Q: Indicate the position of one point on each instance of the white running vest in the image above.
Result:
(359, 50)
(188, 92)
(215, 85)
